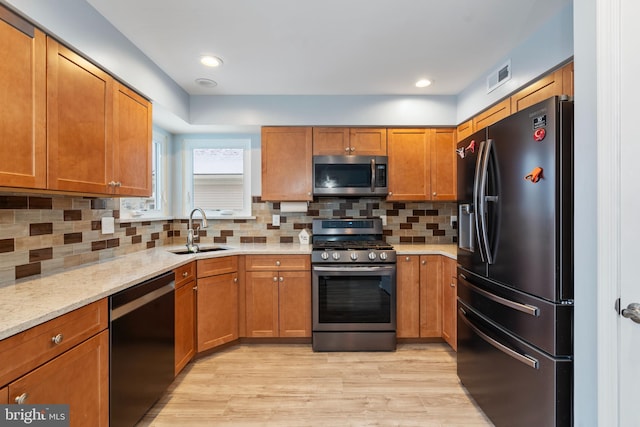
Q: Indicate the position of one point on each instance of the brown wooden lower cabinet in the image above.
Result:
(217, 310)
(449, 306)
(278, 302)
(217, 302)
(78, 377)
(418, 296)
(185, 319)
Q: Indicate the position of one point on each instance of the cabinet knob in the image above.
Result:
(353, 149)
(346, 149)
(453, 285)
(195, 288)
(407, 259)
(275, 279)
(277, 263)
(235, 280)
(281, 279)
(424, 262)
(185, 274)
(57, 339)
(20, 400)
(111, 183)
(435, 194)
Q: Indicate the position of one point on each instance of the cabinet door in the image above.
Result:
(23, 109)
(567, 79)
(443, 165)
(368, 141)
(79, 377)
(294, 296)
(185, 315)
(79, 123)
(4, 395)
(464, 130)
(540, 90)
(132, 143)
(217, 310)
(449, 294)
(286, 163)
(330, 141)
(262, 303)
(408, 296)
(430, 296)
(492, 115)
(409, 164)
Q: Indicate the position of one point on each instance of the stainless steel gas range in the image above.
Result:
(353, 286)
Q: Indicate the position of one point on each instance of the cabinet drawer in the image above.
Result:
(279, 262)
(31, 348)
(185, 273)
(215, 266)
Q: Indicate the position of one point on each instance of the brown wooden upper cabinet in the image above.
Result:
(22, 121)
(492, 115)
(544, 88)
(422, 164)
(337, 141)
(286, 163)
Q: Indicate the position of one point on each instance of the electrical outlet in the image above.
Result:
(454, 218)
(384, 219)
(275, 220)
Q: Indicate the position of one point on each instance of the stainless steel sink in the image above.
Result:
(205, 249)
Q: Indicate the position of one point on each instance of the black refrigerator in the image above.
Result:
(515, 266)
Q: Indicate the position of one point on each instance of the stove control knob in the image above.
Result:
(336, 255)
(324, 255)
(383, 256)
(354, 256)
(372, 256)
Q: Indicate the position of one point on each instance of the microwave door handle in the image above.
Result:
(373, 175)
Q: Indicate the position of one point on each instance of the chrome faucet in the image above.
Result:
(191, 247)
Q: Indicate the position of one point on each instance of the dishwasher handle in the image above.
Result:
(130, 299)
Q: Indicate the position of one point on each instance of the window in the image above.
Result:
(218, 177)
(156, 206)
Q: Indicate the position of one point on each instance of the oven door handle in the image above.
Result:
(355, 269)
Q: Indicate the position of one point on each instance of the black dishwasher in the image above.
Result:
(142, 338)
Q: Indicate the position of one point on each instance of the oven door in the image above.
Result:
(354, 298)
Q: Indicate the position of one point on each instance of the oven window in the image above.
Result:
(354, 299)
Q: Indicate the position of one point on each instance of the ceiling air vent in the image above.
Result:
(499, 76)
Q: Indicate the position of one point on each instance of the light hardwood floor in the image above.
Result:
(290, 385)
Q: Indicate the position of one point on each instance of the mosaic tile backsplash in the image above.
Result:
(44, 234)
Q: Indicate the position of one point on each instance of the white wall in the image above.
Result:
(550, 46)
(585, 221)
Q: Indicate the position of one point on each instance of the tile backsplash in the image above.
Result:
(42, 234)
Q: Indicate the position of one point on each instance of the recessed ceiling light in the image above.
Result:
(208, 83)
(423, 83)
(211, 61)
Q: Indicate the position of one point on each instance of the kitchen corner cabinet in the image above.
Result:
(422, 164)
(449, 296)
(185, 315)
(23, 83)
(217, 302)
(62, 361)
(338, 141)
(278, 296)
(418, 296)
(286, 163)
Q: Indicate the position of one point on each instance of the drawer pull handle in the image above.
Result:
(20, 400)
(185, 274)
(57, 339)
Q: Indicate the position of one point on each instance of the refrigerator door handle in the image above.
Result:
(482, 202)
(476, 197)
(524, 308)
(522, 358)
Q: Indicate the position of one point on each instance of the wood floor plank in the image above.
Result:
(290, 385)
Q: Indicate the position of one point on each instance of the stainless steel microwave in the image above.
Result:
(350, 176)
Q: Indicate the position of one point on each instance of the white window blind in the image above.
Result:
(218, 178)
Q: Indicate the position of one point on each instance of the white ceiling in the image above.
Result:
(327, 47)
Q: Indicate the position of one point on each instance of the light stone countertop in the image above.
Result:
(29, 302)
